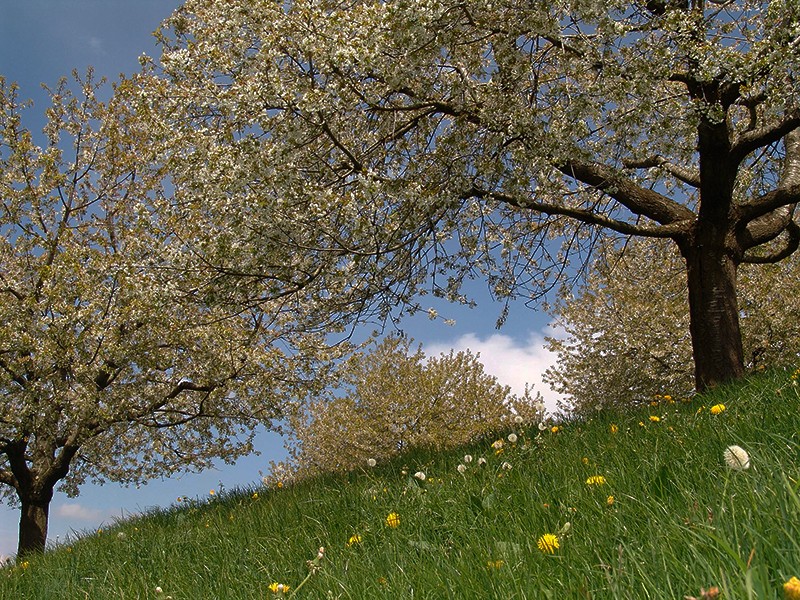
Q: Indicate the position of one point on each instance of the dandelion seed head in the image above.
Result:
(467, 458)
(512, 437)
(420, 475)
(371, 462)
(736, 458)
(461, 469)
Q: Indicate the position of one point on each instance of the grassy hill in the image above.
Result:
(637, 505)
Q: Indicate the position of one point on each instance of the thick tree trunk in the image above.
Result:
(714, 316)
(33, 520)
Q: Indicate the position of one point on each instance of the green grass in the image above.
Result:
(680, 519)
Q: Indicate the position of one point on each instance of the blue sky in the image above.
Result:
(43, 40)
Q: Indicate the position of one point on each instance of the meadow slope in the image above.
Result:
(636, 505)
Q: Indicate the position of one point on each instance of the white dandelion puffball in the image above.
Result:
(461, 468)
(736, 458)
(371, 462)
(420, 475)
(512, 437)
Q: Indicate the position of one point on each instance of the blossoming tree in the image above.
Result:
(395, 399)
(627, 326)
(113, 365)
(408, 146)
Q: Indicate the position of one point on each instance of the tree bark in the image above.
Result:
(34, 515)
(713, 314)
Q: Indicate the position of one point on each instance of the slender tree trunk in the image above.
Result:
(714, 315)
(33, 520)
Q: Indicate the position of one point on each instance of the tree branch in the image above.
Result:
(752, 140)
(688, 176)
(791, 246)
(638, 200)
(670, 230)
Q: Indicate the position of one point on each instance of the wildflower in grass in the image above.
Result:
(791, 589)
(548, 543)
(654, 419)
(614, 428)
(461, 469)
(641, 423)
(212, 493)
(159, 590)
(717, 409)
(506, 466)
(498, 446)
(371, 462)
(420, 475)
(542, 426)
(518, 419)
(481, 461)
(555, 429)
(736, 458)
(278, 588)
(393, 520)
(354, 539)
(512, 437)
(495, 564)
(610, 501)
(254, 496)
(596, 480)
(585, 460)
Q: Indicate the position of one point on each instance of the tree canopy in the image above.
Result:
(114, 364)
(402, 148)
(393, 400)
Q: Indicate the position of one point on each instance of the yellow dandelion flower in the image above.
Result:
(668, 398)
(791, 589)
(393, 520)
(354, 539)
(585, 460)
(614, 428)
(610, 500)
(278, 588)
(548, 543)
(717, 409)
(596, 480)
(555, 429)
(654, 419)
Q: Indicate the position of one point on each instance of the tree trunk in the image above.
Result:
(714, 314)
(33, 519)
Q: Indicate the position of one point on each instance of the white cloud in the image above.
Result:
(79, 512)
(513, 363)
